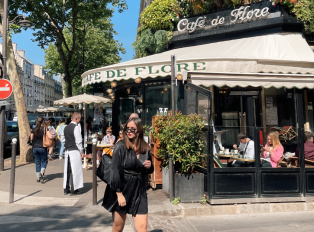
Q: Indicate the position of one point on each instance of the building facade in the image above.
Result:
(39, 88)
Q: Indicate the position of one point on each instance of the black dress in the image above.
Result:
(128, 176)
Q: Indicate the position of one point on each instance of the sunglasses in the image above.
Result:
(132, 130)
(109, 132)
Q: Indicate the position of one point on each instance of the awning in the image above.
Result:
(276, 53)
(265, 80)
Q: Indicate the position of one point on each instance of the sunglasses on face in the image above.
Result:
(130, 129)
(109, 131)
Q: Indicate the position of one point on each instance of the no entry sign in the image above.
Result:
(5, 89)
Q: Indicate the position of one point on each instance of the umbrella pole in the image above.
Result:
(85, 130)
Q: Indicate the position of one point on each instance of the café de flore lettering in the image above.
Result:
(244, 13)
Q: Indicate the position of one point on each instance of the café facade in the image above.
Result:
(247, 69)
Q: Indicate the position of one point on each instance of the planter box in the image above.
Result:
(190, 188)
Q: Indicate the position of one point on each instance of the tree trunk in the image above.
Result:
(68, 86)
(24, 127)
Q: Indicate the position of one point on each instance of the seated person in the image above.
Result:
(308, 146)
(272, 152)
(109, 138)
(247, 146)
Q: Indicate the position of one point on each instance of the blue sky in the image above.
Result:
(124, 23)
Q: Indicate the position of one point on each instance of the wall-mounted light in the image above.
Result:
(110, 94)
(109, 91)
(138, 80)
(113, 84)
(141, 100)
(112, 97)
(128, 90)
(179, 77)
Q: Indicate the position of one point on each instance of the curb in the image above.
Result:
(193, 209)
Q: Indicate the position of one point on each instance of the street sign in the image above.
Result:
(5, 89)
(4, 103)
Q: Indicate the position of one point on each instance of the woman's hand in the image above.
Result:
(147, 164)
(266, 149)
(121, 200)
(235, 146)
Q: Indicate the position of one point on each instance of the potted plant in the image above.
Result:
(181, 136)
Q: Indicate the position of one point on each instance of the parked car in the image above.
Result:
(12, 132)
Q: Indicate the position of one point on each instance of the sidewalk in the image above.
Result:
(47, 204)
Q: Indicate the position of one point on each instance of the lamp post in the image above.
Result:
(5, 23)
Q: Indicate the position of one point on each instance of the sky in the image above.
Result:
(125, 24)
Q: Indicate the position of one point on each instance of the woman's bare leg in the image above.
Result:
(140, 222)
(118, 222)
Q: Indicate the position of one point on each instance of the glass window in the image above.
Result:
(157, 96)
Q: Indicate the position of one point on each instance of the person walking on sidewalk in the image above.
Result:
(126, 191)
(61, 139)
(39, 151)
(73, 156)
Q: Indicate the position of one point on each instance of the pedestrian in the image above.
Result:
(134, 115)
(73, 157)
(61, 139)
(39, 151)
(126, 191)
(48, 127)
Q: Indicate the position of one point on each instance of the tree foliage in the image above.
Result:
(98, 49)
(55, 21)
(304, 11)
(149, 42)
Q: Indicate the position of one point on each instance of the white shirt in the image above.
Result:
(248, 148)
(78, 137)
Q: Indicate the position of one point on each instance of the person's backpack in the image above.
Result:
(53, 132)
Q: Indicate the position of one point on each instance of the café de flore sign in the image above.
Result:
(237, 15)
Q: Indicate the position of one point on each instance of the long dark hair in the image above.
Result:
(40, 121)
(139, 142)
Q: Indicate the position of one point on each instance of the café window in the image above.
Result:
(157, 96)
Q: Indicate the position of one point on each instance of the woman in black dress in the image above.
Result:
(126, 192)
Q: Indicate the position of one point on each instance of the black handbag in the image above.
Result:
(103, 170)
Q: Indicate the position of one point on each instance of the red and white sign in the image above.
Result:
(5, 89)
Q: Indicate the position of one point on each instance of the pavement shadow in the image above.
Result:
(51, 177)
(53, 218)
(27, 196)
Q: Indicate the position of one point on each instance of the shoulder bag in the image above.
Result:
(103, 170)
(47, 139)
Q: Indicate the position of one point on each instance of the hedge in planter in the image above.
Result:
(180, 136)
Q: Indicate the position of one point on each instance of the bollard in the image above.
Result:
(171, 190)
(94, 171)
(12, 178)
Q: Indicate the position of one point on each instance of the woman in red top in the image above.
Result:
(273, 151)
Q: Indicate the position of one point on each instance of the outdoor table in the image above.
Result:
(234, 158)
(107, 148)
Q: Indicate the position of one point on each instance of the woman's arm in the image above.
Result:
(116, 172)
(276, 154)
(32, 136)
(150, 170)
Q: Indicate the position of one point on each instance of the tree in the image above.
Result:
(24, 129)
(98, 49)
(54, 20)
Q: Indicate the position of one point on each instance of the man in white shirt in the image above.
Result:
(247, 146)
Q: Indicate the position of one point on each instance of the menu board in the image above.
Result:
(271, 116)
